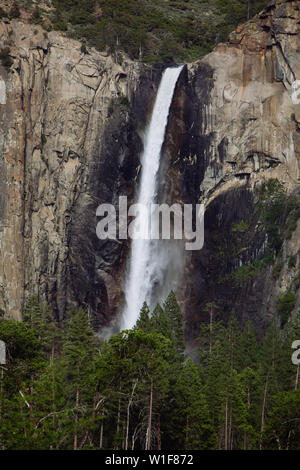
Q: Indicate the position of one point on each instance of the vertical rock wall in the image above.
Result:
(70, 140)
(237, 126)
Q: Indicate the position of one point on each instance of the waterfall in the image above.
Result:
(144, 264)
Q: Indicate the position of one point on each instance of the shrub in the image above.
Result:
(280, 213)
(156, 30)
(240, 227)
(80, 16)
(83, 49)
(246, 272)
(123, 101)
(292, 214)
(292, 261)
(14, 12)
(296, 282)
(36, 16)
(274, 198)
(277, 268)
(285, 306)
(5, 58)
(3, 14)
(61, 26)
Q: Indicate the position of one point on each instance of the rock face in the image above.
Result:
(70, 140)
(238, 125)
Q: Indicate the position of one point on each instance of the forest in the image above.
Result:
(149, 30)
(67, 388)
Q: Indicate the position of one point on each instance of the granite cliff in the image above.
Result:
(237, 125)
(70, 139)
(69, 142)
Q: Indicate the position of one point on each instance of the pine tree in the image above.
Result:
(211, 308)
(32, 316)
(138, 364)
(161, 323)
(143, 322)
(191, 418)
(48, 403)
(268, 370)
(174, 314)
(25, 362)
(14, 12)
(77, 369)
(282, 431)
(288, 372)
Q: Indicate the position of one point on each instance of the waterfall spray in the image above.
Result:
(144, 266)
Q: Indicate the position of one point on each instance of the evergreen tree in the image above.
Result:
(174, 315)
(139, 367)
(282, 431)
(77, 369)
(32, 316)
(25, 362)
(191, 417)
(136, 392)
(143, 322)
(161, 322)
(268, 371)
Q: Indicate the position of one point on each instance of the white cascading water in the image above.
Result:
(144, 266)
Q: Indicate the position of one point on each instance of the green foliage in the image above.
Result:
(274, 198)
(23, 348)
(5, 58)
(280, 212)
(60, 26)
(154, 31)
(278, 267)
(240, 227)
(83, 49)
(283, 429)
(36, 17)
(292, 214)
(277, 214)
(123, 101)
(3, 13)
(143, 322)
(296, 281)
(246, 272)
(292, 261)
(173, 313)
(235, 253)
(238, 11)
(192, 410)
(118, 102)
(14, 12)
(285, 305)
(66, 390)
